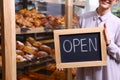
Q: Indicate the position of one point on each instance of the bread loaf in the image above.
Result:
(19, 45)
(31, 40)
(27, 43)
(37, 44)
(41, 54)
(29, 50)
(46, 49)
(20, 52)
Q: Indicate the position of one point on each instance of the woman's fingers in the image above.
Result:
(106, 35)
(60, 69)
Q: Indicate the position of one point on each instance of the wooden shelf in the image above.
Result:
(29, 30)
(37, 30)
(33, 64)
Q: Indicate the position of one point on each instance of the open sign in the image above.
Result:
(80, 47)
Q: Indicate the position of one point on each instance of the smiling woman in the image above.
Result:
(102, 16)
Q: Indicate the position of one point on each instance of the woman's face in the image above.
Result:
(107, 4)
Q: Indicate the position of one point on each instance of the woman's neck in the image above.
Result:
(102, 11)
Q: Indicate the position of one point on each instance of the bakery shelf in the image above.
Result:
(9, 38)
(45, 37)
(35, 63)
(37, 30)
(29, 30)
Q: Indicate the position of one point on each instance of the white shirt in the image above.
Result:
(112, 70)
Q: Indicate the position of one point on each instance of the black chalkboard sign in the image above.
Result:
(80, 47)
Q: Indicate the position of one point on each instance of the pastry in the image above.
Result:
(29, 50)
(46, 49)
(20, 52)
(19, 45)
(31, 40)
(41, 54)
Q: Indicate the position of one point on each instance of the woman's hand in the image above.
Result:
(107, 39)
(60, 69)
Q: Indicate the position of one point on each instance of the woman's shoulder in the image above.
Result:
(115, 19)
(88, 14)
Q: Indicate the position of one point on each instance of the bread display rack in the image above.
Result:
(10, 32)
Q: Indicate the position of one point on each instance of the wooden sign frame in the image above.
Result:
(60, 64)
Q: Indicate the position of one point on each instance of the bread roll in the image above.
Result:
(20, 52)
(22, 11)
(37, 44)
(31, 40)
(19, 45)
(20, 58)
(29, 50)
(29, 56)
(36, 76)
(41, 54)
(46, 49)
(27, 43)
(51, 67)
(23, 77)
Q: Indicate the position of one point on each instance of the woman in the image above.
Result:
(103, 17)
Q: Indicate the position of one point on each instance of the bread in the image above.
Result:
(37, 44)
(20, 52)
(51, 67)
(37, 23)
(31, 40)
(27, 43)
(29, 56)
(29, 50)
(41, 54)
(36, 76)
(23, 77)
(20, 58)
(19, 45)
(46, 49)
